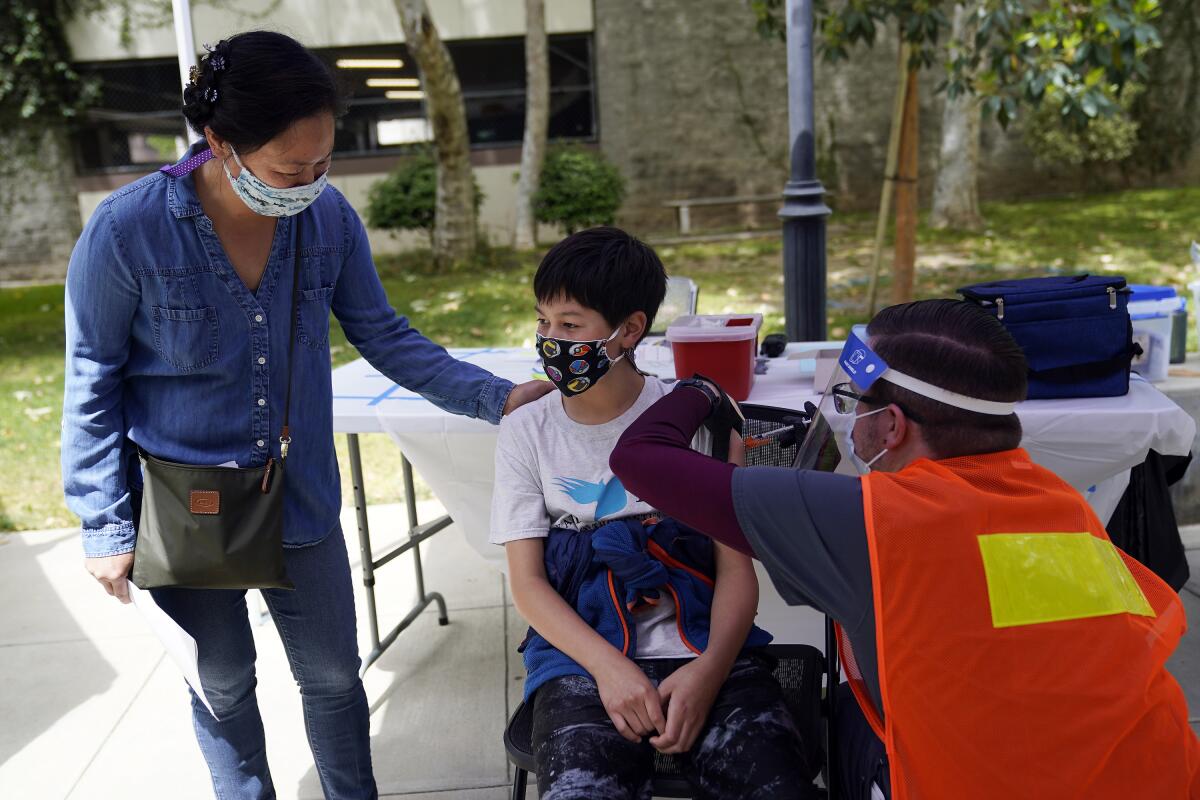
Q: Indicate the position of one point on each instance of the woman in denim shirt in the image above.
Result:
(178, 308)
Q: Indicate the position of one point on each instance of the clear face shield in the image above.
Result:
(827, 445)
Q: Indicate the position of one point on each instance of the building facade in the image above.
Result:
(684, 96)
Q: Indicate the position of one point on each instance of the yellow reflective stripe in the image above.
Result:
(1051, 577)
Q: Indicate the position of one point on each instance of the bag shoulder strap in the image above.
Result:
(285, 433)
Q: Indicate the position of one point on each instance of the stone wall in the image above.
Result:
(39, 207)
(693, 103)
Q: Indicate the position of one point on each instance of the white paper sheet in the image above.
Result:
(179, 644)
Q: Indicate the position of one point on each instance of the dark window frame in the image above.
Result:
(106, 122)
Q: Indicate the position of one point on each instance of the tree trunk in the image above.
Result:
(956, 193)
(454, 233)
(537, 120)
(904, 263)
(39, 203)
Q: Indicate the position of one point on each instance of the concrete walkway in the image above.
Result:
(89, 707)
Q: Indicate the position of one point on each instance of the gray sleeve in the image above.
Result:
(808, 530)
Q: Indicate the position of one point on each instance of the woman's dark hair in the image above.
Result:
(604, 269)
(252, 87)
(956, 346)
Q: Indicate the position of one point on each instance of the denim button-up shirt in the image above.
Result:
(168, 349)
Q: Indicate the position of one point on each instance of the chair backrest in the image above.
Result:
(681, 298)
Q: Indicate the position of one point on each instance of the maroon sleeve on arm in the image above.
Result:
(655, 461)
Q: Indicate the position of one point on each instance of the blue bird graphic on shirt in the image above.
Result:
(609, 497)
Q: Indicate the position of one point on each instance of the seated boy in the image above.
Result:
(642, 630)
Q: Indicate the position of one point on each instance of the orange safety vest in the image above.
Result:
(1021, 655)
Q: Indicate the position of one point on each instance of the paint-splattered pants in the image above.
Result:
(749, 747)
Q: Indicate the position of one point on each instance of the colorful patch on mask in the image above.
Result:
(580, 350)
(550, 348)
(578, 367)
(602, 363)
(579, 384)
(553, 373)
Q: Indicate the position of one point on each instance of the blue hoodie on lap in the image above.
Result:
(604, 572)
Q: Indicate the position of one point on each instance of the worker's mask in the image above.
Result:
(828, 443)
(574, 367)
(862, 466)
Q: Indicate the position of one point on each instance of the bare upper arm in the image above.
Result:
(526, 560)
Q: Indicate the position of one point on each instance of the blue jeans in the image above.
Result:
(317, 624)
(861, 760)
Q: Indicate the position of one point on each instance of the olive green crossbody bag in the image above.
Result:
(204, 527)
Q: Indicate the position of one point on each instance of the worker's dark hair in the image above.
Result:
(957, 346)
(604, 269)
(252, 87)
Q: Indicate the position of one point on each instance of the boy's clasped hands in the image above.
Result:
(672, 714)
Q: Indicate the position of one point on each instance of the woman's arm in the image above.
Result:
(654, 461)
(631, 700)
(401, 352)
(101, 299)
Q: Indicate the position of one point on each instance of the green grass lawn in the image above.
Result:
(1143, 235)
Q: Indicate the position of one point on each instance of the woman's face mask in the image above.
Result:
(270, 201)
(572, 366)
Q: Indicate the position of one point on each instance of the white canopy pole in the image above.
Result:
(181, 11)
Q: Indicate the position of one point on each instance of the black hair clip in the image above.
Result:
(217, 62)
(210, 95)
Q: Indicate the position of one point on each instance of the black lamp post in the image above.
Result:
(804, 210)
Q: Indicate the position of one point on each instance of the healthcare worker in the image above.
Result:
(997, 643)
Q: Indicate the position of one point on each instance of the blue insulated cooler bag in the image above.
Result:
(1075, 331)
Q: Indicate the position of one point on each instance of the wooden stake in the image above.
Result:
(904, 263)
(889, 178)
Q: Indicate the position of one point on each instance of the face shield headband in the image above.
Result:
(827, 444)
(864, 366)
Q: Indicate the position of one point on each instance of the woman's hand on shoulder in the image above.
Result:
(526, 393)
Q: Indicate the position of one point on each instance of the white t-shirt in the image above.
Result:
(552, 472)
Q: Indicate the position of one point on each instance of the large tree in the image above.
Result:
(956, 191)
(537, 120)
(1081, 53)
(455, 230)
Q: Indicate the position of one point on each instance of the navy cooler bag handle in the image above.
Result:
(1074, 329)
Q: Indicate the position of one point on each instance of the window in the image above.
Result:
(386, 108)
(137, 122)
(137, 119)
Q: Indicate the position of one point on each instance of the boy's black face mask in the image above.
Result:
(574, 367)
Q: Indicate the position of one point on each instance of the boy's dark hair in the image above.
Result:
(604, 269)
(252, 87)
(956, 346)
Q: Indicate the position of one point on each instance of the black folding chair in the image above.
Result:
(773, 436)
(798, 670)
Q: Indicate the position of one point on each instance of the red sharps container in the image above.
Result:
(719, 346)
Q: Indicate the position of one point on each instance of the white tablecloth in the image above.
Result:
(1091, 443)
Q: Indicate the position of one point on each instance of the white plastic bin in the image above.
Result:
(1150, 310)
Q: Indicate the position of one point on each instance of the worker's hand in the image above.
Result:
(737, 449)
(112, 572)
(688, 694)
(526, 393)
(632, 702)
